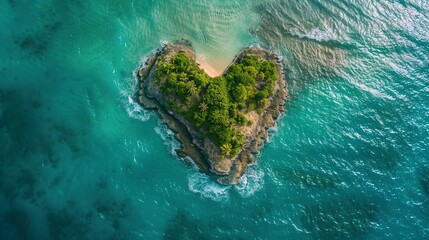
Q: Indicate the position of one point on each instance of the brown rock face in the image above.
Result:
(203, 152)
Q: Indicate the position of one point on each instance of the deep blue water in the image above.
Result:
(349, 159)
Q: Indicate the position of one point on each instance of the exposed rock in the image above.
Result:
(203, 151)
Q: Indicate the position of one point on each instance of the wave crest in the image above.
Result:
(207, 188)
(251, 182)
(136, 111)
(168, 137)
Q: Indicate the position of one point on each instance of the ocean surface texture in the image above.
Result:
(80, 159)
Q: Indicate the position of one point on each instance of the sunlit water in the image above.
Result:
(81, 160)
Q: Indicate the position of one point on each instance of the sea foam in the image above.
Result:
(168, 136)
(251, 182)
(136, 111)
(206, 187)
(128, 89)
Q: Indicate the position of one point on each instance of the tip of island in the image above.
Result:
(220, 118)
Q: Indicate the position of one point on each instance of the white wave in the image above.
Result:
(273, 131)
(206, 187)
(136, 111)
(316, 34)
(255, 45)
(164, 42)
(128, 89)
(251, 182)
(143, 60)
(168, 136)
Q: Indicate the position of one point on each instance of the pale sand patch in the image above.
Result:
(210, 70)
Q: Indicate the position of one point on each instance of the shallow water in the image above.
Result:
(81, 160)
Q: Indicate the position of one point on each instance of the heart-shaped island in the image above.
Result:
(221, 122)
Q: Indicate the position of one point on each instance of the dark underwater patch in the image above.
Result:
(342, 219)
(19, 219)
(36, 104)
(386, 144)
(71, 138)
(385, 158)
(424, 179)
(111, 209)
(260, 211)
(27, 183)
(102, 183)
(37, 42)
(33, 44)
(12, 3)
(183, 226)
(114, 212)
(21, 125)
(65, 225)
(307, 178)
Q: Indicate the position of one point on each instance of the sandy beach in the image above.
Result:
(210, 70)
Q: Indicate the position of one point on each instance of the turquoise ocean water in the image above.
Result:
(349, 159)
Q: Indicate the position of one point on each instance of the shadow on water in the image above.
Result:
(342, 219)
(307, 178)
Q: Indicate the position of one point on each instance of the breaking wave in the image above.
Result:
(251, 182)
(168, 136)
(201, 183)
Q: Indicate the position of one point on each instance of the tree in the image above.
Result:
(224, 99)
(226, 149)
(192, 88)
(240, 93)
(203, 107)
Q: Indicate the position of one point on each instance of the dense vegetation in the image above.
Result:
(217, 105)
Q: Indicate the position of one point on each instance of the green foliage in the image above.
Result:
(241, 119)
(226, 148)
(216, 105)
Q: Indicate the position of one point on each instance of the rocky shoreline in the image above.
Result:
(227, 171)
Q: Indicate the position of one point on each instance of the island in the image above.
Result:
(221, 122)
